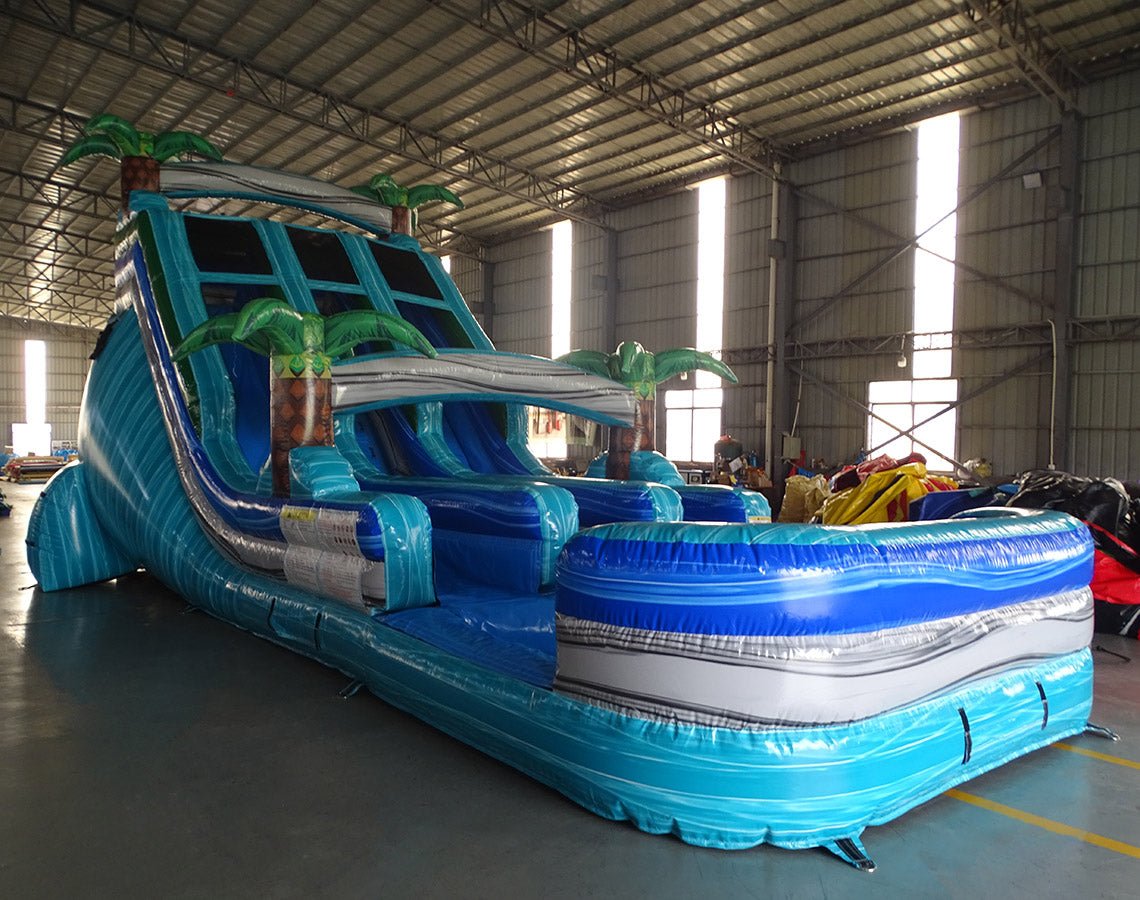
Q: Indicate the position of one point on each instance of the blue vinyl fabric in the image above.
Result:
(66, 544)
(699, 502)
(944, 504)
(497, 629)
(479, 665)
(814, 579)
(721, 503)
(711, 787)
(717, 787)
(246, 511)
(505, 534)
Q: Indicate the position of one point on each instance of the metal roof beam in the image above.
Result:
(132, 38)
(1028, 48)
(437, 236)
(570, 52)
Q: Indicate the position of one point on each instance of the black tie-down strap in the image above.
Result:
(969, 743)
(1044, 705)
(1101, 731)
(852, 852)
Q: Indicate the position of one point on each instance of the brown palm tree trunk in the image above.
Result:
(300, 415)
(136, 173)
(403, 222)
(623, 441)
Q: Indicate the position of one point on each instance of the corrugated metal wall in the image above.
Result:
(1007, 238)
(588, 293)
(1008, 232)
(1105, 417)
(67, 353)
(834, 252)
(749, 215)
(522, 294)
(467, 274)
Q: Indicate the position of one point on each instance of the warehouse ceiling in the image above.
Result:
(531, 112)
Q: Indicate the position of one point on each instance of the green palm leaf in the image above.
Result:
(387, 191)
(281, 325)
(216, 331)
(686, 359)
(632, 364)
(593, 361)
(313, 332)
(124, 135)
(345, 330)
(430, 193)
(92, 145)
(174, 143)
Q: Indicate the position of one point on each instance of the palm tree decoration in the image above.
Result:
(301, 348)
(404, 201)
(139, 152)
(641, 371)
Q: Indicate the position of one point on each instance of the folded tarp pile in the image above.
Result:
(1111, 509)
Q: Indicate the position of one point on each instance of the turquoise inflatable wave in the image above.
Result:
(636, 674)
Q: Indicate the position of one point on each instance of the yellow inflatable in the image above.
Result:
(883, 496)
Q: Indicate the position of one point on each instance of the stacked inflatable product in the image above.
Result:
(733, 684)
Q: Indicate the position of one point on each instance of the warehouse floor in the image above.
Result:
(150, 751)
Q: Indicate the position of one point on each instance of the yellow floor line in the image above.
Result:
(1048, 824)
(1104, 757)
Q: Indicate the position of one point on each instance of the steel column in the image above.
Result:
(488, 298)
(1065, 285)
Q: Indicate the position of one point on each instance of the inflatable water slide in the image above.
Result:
(730, 681)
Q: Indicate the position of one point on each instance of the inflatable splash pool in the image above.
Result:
(730, 682)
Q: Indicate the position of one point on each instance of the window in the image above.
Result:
(692, 423)
(936, 223)
(561, 274)
(226, 245)
(906, 404)
(33, 435)
(35, 382)
(692, 418)
(404, 271)
(546, 429)
(445, 261)
(322, 256)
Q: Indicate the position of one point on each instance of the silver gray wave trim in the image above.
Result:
(224, 179)
(869, 651)
(511, 376)
(805, 680)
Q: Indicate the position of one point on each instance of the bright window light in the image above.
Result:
(35, 382)
(692, 418)
(904, 404)
(710, 272)
(935, 201)
(692, 423)
(561, 269)
(546, 432)
(445, 261)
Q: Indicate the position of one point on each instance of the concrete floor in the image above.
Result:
(146, 751)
